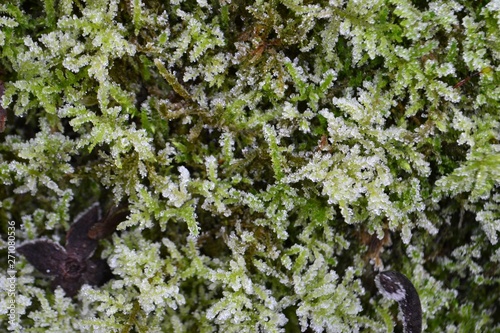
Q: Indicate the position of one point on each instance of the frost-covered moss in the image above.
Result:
(266, 151)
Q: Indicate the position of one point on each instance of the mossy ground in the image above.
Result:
(271, 153)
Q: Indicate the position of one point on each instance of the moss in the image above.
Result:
(267, 152)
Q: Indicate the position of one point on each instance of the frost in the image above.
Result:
(268, 155)
(493, 5)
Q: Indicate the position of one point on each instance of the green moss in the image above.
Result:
(261, 148)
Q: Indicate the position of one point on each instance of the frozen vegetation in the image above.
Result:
(273, 155)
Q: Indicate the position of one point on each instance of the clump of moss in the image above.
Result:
(273, 155)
